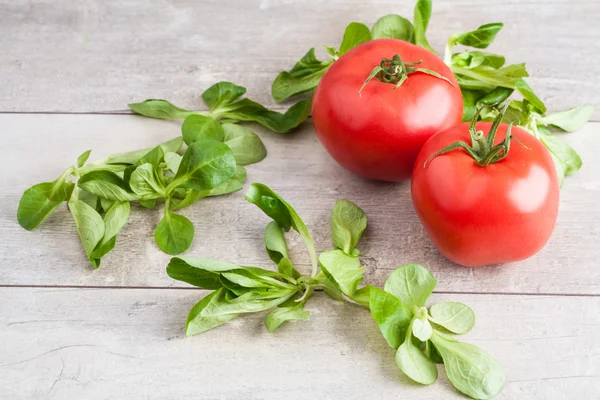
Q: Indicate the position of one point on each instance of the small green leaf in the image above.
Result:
(391, 315)
(172, 160)
(393, 26)
(470, 99)
(566, 159)
(412, 284)
(144, 182)
(303, 77)
(39, 201)
(344, 270)
(154, 156)
(114, 220)
(488, 79)
(221, 94)
(286, 268)
(528, 94)
(174, 233)
(477, 59)
(205, 165)
(421, 18)
(83, 158)
(233, 184)
(282, 314)
(415, 364)
(200, 127)
(132, 157)
(470, 369)
(90, 227)
(456, 317)
(363, 296)
(480, 38)
(422, 330)
(570, 120)
(355, 34)
(495, 97)
(275, 242)
(106, 184)
(161, 109)
(196, 323)
(246, 146)
(201, 272)
(348, 222)
(281, 212)
(248, 110)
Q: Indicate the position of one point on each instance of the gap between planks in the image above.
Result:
(318, 290)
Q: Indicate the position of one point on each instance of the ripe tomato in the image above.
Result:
(481, 215)
(379, 132)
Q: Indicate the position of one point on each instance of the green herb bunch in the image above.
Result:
(485, 81)
(421, 336)
(99, 194)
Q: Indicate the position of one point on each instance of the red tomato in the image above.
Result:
(379, 133)
(481, 215)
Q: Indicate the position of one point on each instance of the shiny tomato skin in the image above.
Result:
(379, 133)
(483, 215)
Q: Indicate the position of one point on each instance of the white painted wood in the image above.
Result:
(39, 147)
(97, 56)
(130, 344)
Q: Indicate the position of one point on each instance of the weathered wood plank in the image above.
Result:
(39, 147)
(99, 56)
(98, 344)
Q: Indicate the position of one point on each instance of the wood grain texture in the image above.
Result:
(130, 344)
(298, 168)
(97, 56)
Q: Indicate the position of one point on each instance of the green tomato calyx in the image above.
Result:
(396, 71)
(482, 148)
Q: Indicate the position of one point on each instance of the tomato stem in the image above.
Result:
(396, 71)
(482, 148)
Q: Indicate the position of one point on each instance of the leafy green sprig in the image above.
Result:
(486, 82)
(99, 194)
(421, 336)
(239, 290)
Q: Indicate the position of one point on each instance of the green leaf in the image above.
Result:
(233, 184)
(470, 99)
(412, 284)
(477, 59)
(432, 353)
(495, 97)
(342, 269)
(281, 212)
(393, 26)
(303, 77)
(114, 220)
(421, 18)
(480, 38)
(456, 317)
(198, 127)
(570, 120)
(488, 79)
(221, 94)
(205, 165)
(421, 329)
(470, 369)
(154, 156)
(201, 272)
(275, 242)
(144, 182)
(246, 146)
(391, 315)
(83, 158)
(248, 110)
(415, 364)
(90, 228)
(528, 94)
(355, 34)
(286, 268)
(172, 160)
(282, 314)
(174, 233)
(332, 291)
(161, 109)
(348, 222)
(39, 201)
(105, 184)
(132, 157)
(363, 296)
(566, 159)
(196, 323)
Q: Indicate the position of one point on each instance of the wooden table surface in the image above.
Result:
(67, 71)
